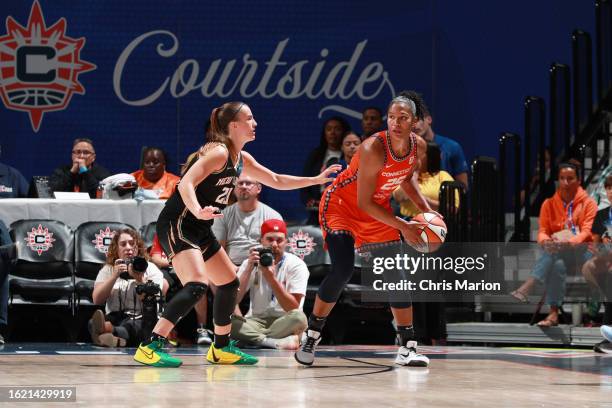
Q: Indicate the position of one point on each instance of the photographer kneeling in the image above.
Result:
(277, 283)
(130, 286)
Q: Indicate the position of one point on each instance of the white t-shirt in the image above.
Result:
(123, 294)
(242, 230)
(291, 272)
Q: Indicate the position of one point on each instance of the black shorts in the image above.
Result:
(176, 235)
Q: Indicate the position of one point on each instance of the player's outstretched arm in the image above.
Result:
(284, 181)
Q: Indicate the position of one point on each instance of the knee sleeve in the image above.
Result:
(183, 301)
(225, 302)
(342, 254)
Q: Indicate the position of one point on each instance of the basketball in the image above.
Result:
(433, 234)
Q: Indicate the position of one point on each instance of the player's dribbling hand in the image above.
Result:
(411, 231)
(325, 176)
(208, 213)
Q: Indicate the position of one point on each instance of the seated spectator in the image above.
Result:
(275, 318)
(371, 121)
(565, 221)
(430, 178)
(596, 271)
(123, 323)
(453, 159)
(239, 228)
(327, 153)
(350, 145)
(83, 174)
(153, 176)
(598, 192)
(12, 183)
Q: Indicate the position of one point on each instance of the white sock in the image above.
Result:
(268, 342)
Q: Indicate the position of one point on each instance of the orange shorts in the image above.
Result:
(339, 216)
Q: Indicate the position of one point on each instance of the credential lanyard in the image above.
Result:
(278, 266)
(570, 222)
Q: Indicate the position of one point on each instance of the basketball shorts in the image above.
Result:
(178, 234)
(337, 216)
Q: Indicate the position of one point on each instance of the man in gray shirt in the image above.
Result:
(240, 227)
(238, 231)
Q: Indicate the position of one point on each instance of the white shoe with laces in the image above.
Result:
(305, 355)
(407, 356)
(203, 336)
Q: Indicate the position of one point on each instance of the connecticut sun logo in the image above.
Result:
(40, 66)
(39, 239)
(301, 244)
(103, 240)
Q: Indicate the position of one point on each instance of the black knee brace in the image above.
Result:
(183, 301)
(225, 302)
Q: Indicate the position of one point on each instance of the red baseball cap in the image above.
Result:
(273, 226)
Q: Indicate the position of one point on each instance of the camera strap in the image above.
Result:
(278, 266)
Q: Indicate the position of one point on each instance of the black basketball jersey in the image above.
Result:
(214, 190)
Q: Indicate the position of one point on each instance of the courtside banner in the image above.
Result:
(129, 74)
(466, 272)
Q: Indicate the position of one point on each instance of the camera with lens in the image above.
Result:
(139, 265)
(150, 290)
(266, 257)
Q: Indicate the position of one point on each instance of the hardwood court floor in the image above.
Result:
(342, 376)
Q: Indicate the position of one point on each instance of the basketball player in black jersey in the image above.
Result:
(184, 231)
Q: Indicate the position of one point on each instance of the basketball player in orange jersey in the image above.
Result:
(355, 212)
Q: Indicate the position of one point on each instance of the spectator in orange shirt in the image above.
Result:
(153, 176)
(566, 219)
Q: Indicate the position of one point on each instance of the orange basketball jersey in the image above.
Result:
(338, 211)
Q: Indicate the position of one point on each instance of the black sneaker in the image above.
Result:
(603, 347)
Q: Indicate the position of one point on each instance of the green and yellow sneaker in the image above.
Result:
(229, 354)
(152, 355)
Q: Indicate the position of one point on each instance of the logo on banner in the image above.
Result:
(40, 66)
(39, 239)
(301, 244)
(103, 240)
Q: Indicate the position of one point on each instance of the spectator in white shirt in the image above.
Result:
(277, 287)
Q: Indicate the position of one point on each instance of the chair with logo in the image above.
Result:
(41, 280)
(91, 245)
(147, 232)
(43, 270)
(306, 241)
